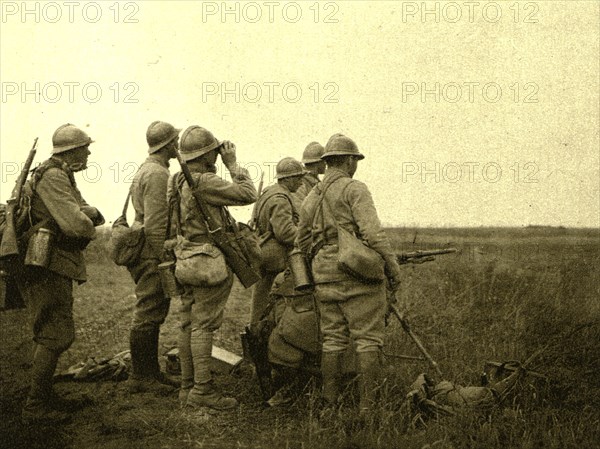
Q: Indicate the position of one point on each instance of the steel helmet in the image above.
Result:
(196, 141)
(340, 145)
(68, 137)
(312, 153)
(159, 134)
(288, 167)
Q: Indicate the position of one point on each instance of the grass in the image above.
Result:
(507, 295)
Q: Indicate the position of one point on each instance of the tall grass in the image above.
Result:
(506, 296)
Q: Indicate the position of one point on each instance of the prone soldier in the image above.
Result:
(54, 207)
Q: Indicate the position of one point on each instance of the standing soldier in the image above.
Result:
(149, 199)
(202, 306)
(54, 203)
(277, 219)
(349, 307)
(315, 166)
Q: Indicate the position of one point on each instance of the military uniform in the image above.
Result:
(203, 307)
(149, 199)
(53, 201)
(308, 182)
(201, 311)
(350, 309)
(276, 213)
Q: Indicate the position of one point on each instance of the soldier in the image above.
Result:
(348, 307)
(202, 307)
(54, 203)
(315, 166)
(149, 199)
(276, 218)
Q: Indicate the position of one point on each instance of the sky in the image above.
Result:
(468, 113)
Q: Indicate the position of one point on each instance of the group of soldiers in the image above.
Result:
(300, 212)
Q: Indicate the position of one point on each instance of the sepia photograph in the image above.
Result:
(299, 224)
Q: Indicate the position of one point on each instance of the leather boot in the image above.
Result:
(37, 408)
(204, 393)
(153, 364)
(331, 370)
(187, 364)
(143, 364)
(369, 366)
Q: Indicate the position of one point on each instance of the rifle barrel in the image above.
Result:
(411, 334)
(9, 246)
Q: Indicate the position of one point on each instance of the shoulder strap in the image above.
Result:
(41, 169)
(174, 205)
(325, 200)
(268, 197)
(126, 205)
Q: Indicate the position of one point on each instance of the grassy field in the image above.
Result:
(507, 294)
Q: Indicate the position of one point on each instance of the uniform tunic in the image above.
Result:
(349, 307)
(149, 199)
(277, 214)
(308, 182)
(48, 292)
(209, 302)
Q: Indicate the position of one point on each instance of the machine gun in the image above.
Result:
(422, 256)
(417, 257)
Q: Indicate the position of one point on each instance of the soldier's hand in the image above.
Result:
(227, 152)
(93, 214)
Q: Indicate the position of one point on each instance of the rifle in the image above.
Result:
(241, 267)
(418, 257)
(260, 184)
(406, 326)
(9, 247)
(253, 217)
(422, 256)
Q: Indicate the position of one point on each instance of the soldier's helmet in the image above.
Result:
(160, 134)
(197, 141)
(312, 153)
(288, 167)
(68, 137)
(341, 145)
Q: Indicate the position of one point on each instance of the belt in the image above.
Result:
(202, 238)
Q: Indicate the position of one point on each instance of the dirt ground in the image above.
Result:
(114, 418)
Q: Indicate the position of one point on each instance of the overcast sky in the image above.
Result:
(468, 113)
